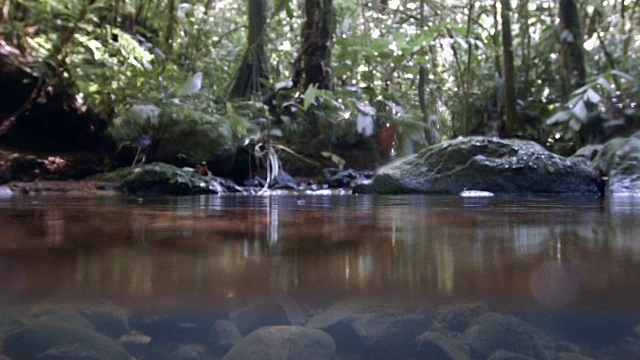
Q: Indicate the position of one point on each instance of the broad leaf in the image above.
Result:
(144, 112)
(582, 89)
(580, 111)
(592, 96)
(575, 124)
(623, 75)
(335, 158)
(286, 84)
(366, 108)
(364, 124)
(605, 84)
(309, 96)
(191, 86)
(559, 117)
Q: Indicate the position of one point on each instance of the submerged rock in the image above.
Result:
(224, 336)
(506, 355)
(181, 324)
(492, 332)
(484, 164)
(284, 342)
(49, 340)
(108, 320)
(264, 313)
(439, 346)
(378, 336)
(458, 317)
(135, 343)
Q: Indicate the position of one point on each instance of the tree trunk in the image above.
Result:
(571, 53)
(317, 40)
(4, 10)
(511, 124)
(168, 39)
(253, 67)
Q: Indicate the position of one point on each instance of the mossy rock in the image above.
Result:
(487, 164)
(619, 160)
(165, 179)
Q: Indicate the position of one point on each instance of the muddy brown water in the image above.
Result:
(540, 258)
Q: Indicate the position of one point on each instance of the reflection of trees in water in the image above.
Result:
(229, 251)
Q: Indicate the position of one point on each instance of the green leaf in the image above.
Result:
(143, 112)
(309, 96)
(622, 75)
(582, 89)
(574, 101)
(575, 124)
(286, 84)
(592, 96)
(335, 158)
(559, 117)
(580, 111)
(364, 124)
(604, 83)
(191, 85)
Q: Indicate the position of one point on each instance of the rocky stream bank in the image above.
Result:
(475, 163)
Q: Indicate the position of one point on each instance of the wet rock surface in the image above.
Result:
(486, 164)
(619, 162)
(159, 178)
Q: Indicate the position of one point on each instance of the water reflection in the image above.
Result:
(512, 251)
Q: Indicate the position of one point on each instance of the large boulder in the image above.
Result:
(375, 336)
(458, 317)
(619, 160)
(224, 336)
(109, 320)
(492, 332)
(482, 163)
(47, 339)
(263, 313)
(438, 345)
(284, 342)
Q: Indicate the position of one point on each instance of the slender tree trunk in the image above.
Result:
(497, 63)
(117, 9)
(525, 41)
(431, 133)
(253, 67)
(4, 11)
(317, 41)
(168, 39)
(571, 53)
(511, 124)
(422, 74)
(467, 70)
(60, 51)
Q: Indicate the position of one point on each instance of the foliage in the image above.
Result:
(129, 60)
(611, 97)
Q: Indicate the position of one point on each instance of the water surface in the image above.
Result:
(533, 256)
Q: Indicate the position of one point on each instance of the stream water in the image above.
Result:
(567, 265)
